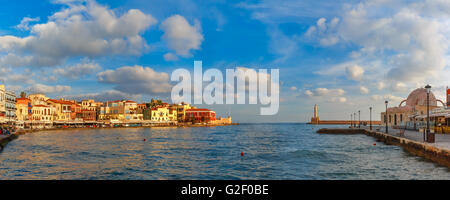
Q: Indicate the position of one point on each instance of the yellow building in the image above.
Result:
(89, 105)
(181, 110)
(173, 115)
(63, 109)
(160, 114)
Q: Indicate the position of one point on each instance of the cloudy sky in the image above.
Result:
(344, 56)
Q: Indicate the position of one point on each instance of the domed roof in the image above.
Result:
(419, 97)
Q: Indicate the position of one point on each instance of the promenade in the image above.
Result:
(441, 140)
(411, 141)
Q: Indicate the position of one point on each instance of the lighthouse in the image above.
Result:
(315, 118)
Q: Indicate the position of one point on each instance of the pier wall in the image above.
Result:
(425, 150)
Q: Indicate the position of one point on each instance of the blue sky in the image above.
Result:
(344, 56)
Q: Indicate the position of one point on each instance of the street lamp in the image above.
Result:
(359, 119)
(351, 120)
(370, 119)
(354, 116)
(430, 137)
(386, 116)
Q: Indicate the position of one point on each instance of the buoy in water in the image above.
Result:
(145, 139)
(374, 144)
(242, 153)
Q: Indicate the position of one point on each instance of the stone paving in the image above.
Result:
(441, 140)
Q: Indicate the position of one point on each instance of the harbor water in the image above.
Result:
(270, 151)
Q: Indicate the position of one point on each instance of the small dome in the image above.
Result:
(419, 97)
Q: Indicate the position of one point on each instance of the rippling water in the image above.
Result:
(272, 151)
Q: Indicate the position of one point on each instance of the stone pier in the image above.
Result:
(436, 153)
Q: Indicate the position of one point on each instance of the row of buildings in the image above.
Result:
(411, 113)
(36, 108)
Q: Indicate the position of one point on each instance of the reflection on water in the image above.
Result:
(274, 151)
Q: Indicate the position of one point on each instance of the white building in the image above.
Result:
(10, 106)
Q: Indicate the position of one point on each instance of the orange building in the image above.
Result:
(23, 111)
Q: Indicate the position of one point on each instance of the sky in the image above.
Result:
(343, 56)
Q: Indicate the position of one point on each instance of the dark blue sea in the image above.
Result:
(271, 151)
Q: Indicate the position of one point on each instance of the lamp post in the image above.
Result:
(354, 116)
(386, 115)
(359, 119)
(370, 118)
(430, 136)
(351, 120)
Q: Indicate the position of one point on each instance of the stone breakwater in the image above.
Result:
(425, 150)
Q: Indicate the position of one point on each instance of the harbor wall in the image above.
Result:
(425, 150)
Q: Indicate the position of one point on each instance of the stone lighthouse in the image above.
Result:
(315, 119)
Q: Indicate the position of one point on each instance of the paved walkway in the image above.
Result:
(441, 140)
(3, 136)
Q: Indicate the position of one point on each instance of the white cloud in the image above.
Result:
(413, 41)
(24, 24)
(309, 93)
(47, 89)
(136, 80)
(338, 99)
(170, 57)
(399, 87)
(181, 36)
(18, 78)
(78, 71)
(324, 92)
(109, 95)
(81, 29)
(324, 32)
(293, 88)
(380, 85)
(354, 72)
(393, 100)
(363, 90)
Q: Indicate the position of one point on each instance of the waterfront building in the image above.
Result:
(76, 113)
(159, 114)
(173, 116)
(23, 109)
(10, 106)
(200, 115)
(222, 120)
(2, 104)
(120, 110)
(410, 112)
(63, 109)
(181, 110)
(42, 113)
(38, 99)
(89, 105)
(89, 115)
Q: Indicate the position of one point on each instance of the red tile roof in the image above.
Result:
(199, 109)
(60, 101)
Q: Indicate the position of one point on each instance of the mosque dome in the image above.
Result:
(418, 97)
